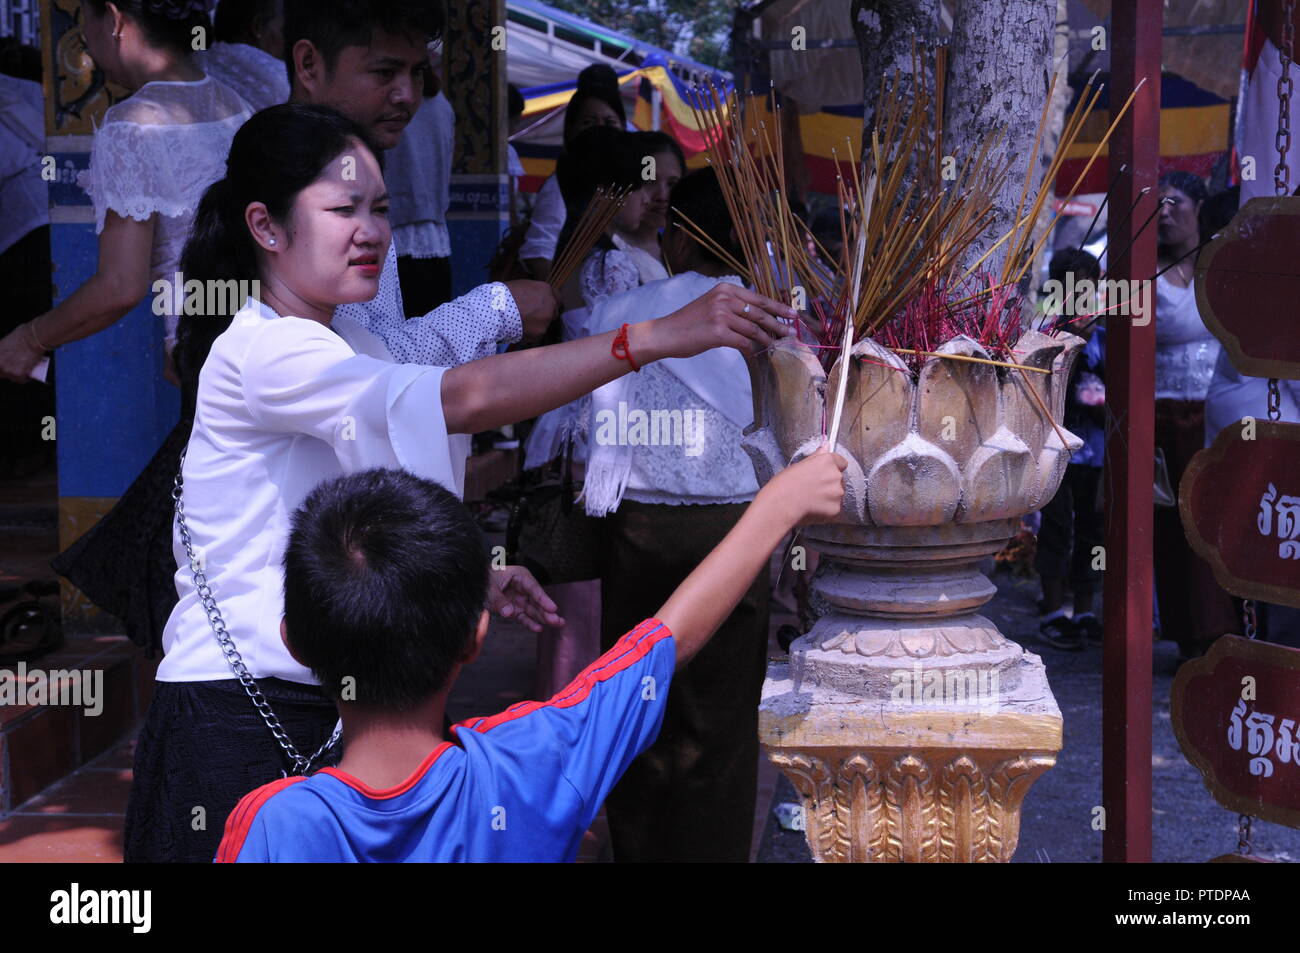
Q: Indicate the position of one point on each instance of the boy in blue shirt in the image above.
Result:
(385, 583)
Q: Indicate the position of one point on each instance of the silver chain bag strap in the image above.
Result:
(301, 763)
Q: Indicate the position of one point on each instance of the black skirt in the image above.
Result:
(202, 748)
(124, 564)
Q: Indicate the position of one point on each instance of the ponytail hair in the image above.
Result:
(274, 156)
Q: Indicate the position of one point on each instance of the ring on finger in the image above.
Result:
(745, 310)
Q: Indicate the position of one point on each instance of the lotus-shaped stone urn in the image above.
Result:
(902, 700)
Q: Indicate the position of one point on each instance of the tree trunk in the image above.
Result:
(1052, 136)
(886, 31)
(999, 66)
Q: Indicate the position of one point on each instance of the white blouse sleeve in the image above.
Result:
(462, 330)
(130, 174)
(548, 220)
(300, 377)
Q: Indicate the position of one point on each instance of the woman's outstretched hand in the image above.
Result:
(725, 316)
(513, 593)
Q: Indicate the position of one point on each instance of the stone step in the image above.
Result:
(63, 710)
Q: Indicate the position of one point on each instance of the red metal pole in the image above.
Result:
(1130, 396)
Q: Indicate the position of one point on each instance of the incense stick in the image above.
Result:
(595, 221)
(973, 360)
(1102, 207)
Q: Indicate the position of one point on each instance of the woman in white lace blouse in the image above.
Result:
(666, 469)
(610, 158)
(151, 160)
(595, 103)
(667, 169)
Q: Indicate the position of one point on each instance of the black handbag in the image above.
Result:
(549, 533)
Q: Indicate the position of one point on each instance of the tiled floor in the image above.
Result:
(79, 819)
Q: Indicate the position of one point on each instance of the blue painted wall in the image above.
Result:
(477, 217)
(114, 407)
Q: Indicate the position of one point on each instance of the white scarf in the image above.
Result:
(712, 375)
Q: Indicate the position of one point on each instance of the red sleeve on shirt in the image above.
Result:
(628, 650)
(241, 818)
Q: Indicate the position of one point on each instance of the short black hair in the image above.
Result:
(1076, 261)
(1189, 183)
(21, 62)
(235, 19)
(1219, 209)
(385, 576)
(698, 196)
(334, 25)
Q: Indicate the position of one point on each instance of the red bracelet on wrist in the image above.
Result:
(621, 351)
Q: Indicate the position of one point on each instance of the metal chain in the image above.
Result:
(1282, 173)
(301, 764)
(1248, 618)
(1243, 820)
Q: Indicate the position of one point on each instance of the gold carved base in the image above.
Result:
(890, 782)
(922, 807)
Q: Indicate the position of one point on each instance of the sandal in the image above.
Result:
(1060, 634)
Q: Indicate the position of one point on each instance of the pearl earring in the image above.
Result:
(272, 241)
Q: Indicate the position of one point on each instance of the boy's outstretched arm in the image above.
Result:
(811, 491)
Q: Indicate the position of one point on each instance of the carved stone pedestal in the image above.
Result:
(909, 724)
(884, 782)
(911, 727)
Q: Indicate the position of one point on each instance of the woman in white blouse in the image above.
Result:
(151, 160)
(669, 165)
(291, 391)
(1194, 609)
(607, 158)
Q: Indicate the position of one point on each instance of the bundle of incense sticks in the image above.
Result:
(596, 218)
(908, 218)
